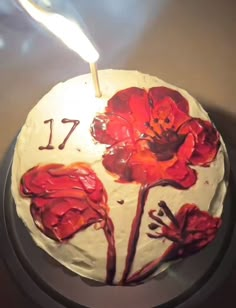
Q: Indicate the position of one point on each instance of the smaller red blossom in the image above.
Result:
(190, 229)
(64, 199)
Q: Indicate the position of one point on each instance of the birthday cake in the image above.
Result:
(116, 188)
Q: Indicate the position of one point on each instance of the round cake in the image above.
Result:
(116, 188)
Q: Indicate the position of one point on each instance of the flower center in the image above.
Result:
(166, 144)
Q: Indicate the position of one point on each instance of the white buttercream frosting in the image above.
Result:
(86, 252)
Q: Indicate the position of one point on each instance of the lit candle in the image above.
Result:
(70, 33)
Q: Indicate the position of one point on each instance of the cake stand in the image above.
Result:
(184, 284)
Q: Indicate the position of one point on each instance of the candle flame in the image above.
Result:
(68, 31)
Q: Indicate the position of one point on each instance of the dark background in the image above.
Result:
(190, 43)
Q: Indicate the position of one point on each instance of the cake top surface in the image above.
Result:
(87, 162)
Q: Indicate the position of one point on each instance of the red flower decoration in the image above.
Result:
(68, 199)
(189, 231)
(64, 199)
(151, 137)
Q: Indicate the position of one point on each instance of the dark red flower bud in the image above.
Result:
(190, 229)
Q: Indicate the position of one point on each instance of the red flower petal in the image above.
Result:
(30, 182)
(131, 164)
(132, 105)
(167, 116)
(180, 173)
(207, 141)
(142, 166)
(116, 161)
(158, 94)
(56, 180)
(65, 199)
(186, 149)
(73, 221)
(111, 128)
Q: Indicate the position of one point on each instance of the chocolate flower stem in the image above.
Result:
(134, 235)
(190, 230)
(168, 213)
(111, 251)
(150, 268)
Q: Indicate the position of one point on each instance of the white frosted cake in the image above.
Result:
(116, 187)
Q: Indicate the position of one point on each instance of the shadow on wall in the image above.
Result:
(190, 44)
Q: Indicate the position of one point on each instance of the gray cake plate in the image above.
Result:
(48, 284)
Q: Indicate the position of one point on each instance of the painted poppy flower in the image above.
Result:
(190, 230)
(151, 139)
(150, 136)
(64, 199)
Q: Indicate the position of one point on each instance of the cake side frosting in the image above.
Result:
(47, 138)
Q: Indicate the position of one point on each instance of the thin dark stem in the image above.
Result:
(157, 219)
(150, 268)
(134, 234)
(111, 250)
(168, 213)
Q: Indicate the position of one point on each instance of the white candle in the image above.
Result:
(70, 33)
